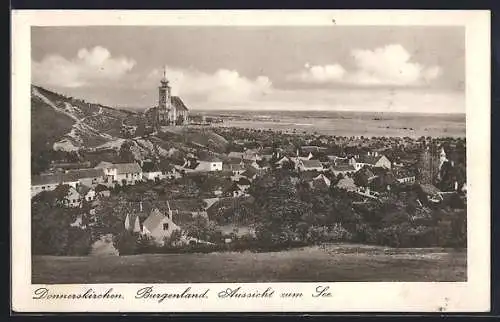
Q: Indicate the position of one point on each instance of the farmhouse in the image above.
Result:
(50, 182)
(159, 226)
(128, 173)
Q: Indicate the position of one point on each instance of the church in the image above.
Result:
(171, 109)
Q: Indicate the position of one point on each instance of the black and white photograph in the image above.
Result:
(183, 154)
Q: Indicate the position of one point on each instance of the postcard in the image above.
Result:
(250, 161)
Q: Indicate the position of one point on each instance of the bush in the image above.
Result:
(127, 243)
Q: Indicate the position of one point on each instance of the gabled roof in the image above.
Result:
(312, 163)
(179, 104)
(233, 166)
(104, 164)
(235, 155)
(122, 168)
(153, 220)
(85, 173)
(46, 179)
(343, 167)
(370, 159)
(83, 189)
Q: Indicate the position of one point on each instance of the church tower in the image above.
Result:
(165, 110)
(429, 165)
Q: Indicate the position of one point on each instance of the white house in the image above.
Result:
(159, 226)
(72, 198)
(153, 175)
(371, 160)
(50, 182)
(129, 173)
(86, 193)
(209, 164)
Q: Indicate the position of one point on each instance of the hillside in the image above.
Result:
(72, 129)
(75, 123)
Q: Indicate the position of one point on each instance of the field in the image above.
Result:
(332, 263)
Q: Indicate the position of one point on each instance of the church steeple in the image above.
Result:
(164, 80)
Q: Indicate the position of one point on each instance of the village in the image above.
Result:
(219, 197)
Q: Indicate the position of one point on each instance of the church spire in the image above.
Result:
(164, 79)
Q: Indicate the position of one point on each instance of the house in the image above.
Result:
(50, 182)
(284, 160)
(88, 177)
(235, 169)
(102, 191)
(128, 173)
(209, 164)
(86, 193)
(344, 169)
(247, 155)
(371, 161)
(309, 165)
(153, 175)
(71, 197)
(235, 155)
(159, 226)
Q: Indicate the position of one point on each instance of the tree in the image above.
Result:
(126, 242)
(51, 233)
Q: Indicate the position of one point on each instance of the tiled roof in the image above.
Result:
(153, 220)
(235, 155)
(233, 166)
(178, 103)
(312, 164)
(85, 173)
(122, 168)
(46, 179)
(104, 164)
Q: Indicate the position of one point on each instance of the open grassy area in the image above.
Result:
(333, 263)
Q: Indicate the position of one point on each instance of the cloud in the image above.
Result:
(388, 65)
(319, 74)
(221, 86)
(88, 67)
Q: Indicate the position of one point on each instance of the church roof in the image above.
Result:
(178, 103)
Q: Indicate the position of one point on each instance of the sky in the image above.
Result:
(355, 68)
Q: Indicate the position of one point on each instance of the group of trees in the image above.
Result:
(51, 229)
(294, 213)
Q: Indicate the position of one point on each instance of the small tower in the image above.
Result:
(164, 101)
(442, 157)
